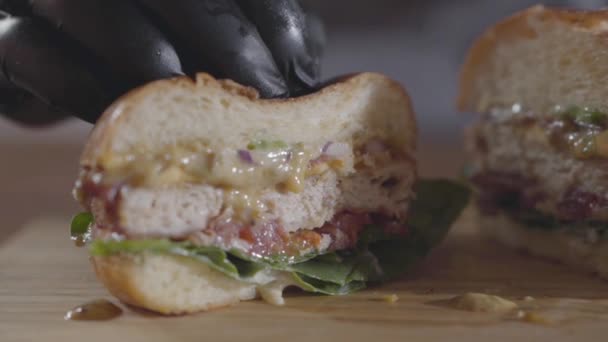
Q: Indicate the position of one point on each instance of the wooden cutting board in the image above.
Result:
(42, 275)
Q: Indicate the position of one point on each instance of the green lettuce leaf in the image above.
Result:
(378, 256)
(318, 286)
(584, 116)
(267, 145)
(212, 256)
(80, 224)
(534, 219)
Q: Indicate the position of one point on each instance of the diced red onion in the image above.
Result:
(245, 156)
(326, 146)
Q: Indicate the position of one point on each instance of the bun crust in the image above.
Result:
(577, 251)
(528, 64)
(334, 97)
(539, 57)
(169, 284)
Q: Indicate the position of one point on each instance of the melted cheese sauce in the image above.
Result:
(246, 204)
(242, 173)
(582, 140)
(480, 302)
(98, 310)
(284, 168)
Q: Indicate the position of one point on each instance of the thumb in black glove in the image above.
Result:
(73, 57)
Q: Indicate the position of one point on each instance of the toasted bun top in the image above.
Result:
(225, 114)
(539, 58)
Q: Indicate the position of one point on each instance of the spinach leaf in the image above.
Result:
(318, 286)
(437, 205)
(536, 220)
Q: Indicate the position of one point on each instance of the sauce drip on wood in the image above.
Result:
(79, 241)
(97, 310)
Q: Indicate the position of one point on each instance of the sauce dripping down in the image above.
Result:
(78, 241)
(97, 310)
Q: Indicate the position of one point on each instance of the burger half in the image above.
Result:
(540, 148)
(200, 195)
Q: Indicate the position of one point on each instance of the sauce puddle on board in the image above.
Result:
(528, 310)
(501, 308)
(478, 302)
(97, 310)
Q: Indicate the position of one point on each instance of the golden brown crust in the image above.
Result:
(118, 111)
(114, 272)
(98, 143)
(572, 250)
(515, 27)
(118, 273)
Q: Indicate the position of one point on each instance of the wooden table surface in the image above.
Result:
(42, 275)
(35, 181)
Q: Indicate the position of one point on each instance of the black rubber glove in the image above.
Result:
(64, 58)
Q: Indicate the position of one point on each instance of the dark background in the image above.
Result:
(420, 43)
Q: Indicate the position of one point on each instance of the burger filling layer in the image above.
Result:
(543, 171)
(242, 176)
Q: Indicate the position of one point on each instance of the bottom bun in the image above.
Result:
(582, 251)
(169, 284)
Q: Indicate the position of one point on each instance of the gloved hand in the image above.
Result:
(64, 58)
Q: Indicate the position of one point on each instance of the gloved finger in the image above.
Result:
(26, 109)
(283, 27)
(317, 38)
(15, 7)
(218, 34)
(34, 58)
(117, 33)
